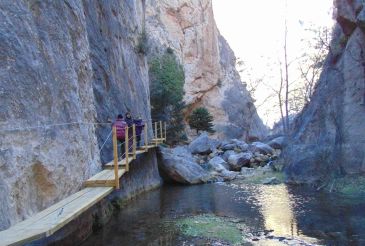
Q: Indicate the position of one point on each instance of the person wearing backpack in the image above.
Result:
(120, 126)
(130, 122)
(139, 128)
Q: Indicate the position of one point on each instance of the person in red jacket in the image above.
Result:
(120, 126)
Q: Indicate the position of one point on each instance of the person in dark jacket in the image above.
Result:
(120, 126)
(139, 128)
(130, 122)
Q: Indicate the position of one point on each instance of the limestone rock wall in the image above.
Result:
(211, 80)
(76, 61)
(328, 136)
(63, 61)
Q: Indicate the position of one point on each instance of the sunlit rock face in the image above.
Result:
(329, 135)
(63, 61)
(211, 80)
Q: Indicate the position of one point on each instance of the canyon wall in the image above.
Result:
(328, 136)
(211, 80)
(62, 62)
(70, 66)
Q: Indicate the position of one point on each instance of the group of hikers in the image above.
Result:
(121, 125)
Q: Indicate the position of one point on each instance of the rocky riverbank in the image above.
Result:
(210, 160)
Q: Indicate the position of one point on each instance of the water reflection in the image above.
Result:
(297, 213)
(278, 214)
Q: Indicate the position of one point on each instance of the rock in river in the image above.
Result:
(236, 161)
(203, 144)
(178, 165)
(218, 164)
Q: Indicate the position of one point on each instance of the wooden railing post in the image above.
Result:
(156, 133)
(161, 136)
(165, 132)
(126, 149)
(145, 137)
(115, 151)
(134, 141)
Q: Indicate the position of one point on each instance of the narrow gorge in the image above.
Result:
(70, 68)
(76, 61)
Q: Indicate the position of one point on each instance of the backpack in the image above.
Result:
(120, 126)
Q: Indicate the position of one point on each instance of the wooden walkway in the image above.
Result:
(50, 220)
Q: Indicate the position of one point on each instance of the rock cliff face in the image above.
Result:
(76, 61)
(329, 137)
(63, 61)
(211, 80)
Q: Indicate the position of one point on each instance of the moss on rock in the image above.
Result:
(211, 226)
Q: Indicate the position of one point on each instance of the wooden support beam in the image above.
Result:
(115, 153)
(161, 136)
(145, 136)
(156, 132)
(134, 148)
(126, 149)
(165, 131)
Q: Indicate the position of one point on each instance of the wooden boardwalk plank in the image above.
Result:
(157, 139)
(51, 209)
(106, 180)
(99, 175)
(48, 221)
(52, 219)
(149, 146)
(141, 151)
(120, 163)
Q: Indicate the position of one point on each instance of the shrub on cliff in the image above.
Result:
(201, 120)
(167, 92)
(142, 45)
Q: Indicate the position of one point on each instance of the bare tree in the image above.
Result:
(311, 62)
(286, 129)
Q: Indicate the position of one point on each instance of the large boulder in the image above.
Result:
(234, 144)
(241, 145)
(261, 148)
(228, 146)
(218, 164)
(227, 154)
(177, 165)
(237, 161)
(203, 144)
(277, 143)
(228, 175)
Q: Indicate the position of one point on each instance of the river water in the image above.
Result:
(266, 215)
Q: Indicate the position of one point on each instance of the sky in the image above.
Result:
(255, 32)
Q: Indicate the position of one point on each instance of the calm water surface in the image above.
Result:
(271, 214)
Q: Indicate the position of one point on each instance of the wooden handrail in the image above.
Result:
(115, 152)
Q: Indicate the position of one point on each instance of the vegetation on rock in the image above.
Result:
(201, 120)
(167, 91)
(142, 45)
(211, 226)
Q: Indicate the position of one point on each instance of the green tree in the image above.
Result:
(167, 92)
(201, 120)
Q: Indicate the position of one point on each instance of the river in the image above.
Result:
(263, 215)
